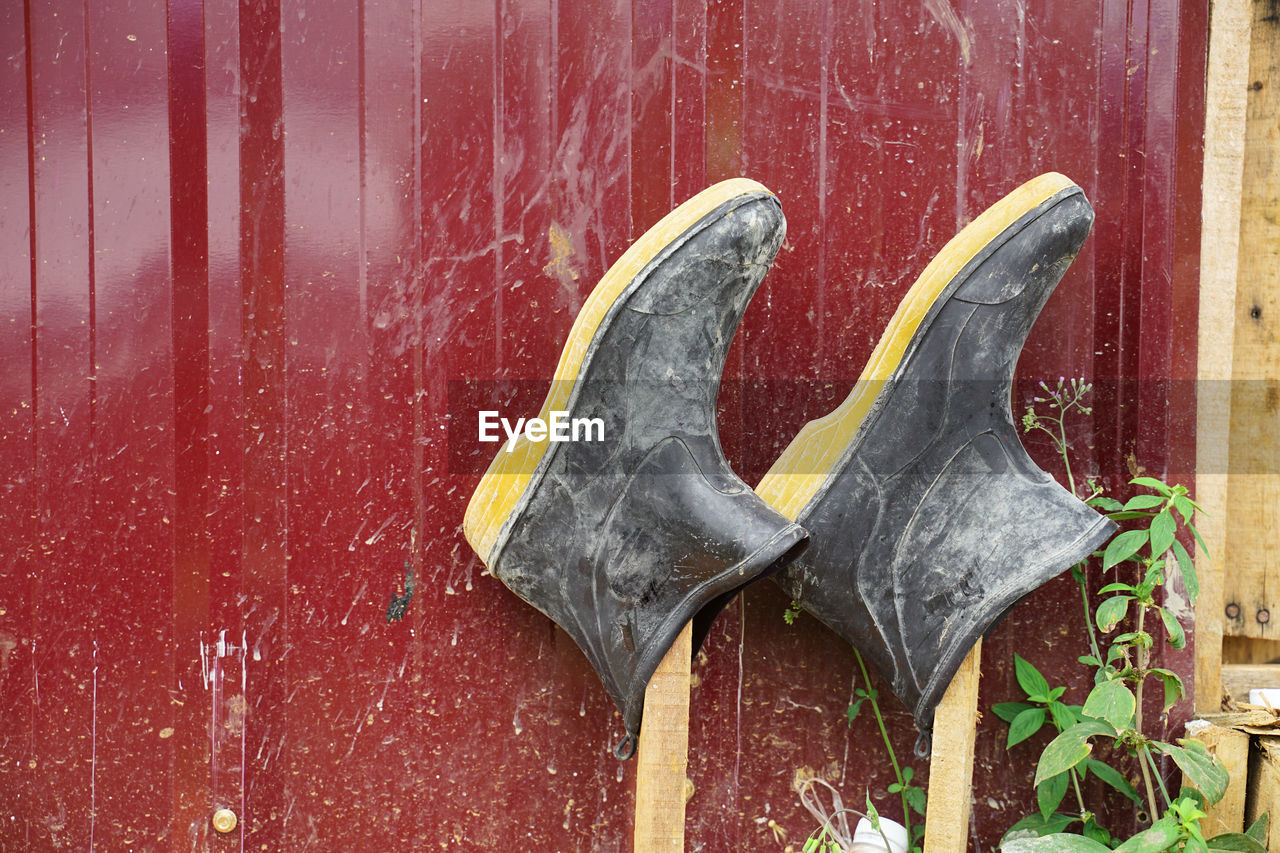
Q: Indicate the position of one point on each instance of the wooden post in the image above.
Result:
(1225, 103)
(1253, 583)
(951, 766)
(1264, 786)
(1232, 749)
(663, 755)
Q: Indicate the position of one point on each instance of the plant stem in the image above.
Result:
(1155, 771)
(1088, 621)
(888, 746)
(1143, 660)
(1062, 432)
(1084, 580)
(1075, 783)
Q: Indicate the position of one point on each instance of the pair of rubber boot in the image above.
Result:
(923, 516)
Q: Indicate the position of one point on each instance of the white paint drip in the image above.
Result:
(211, 653)
(945, 14)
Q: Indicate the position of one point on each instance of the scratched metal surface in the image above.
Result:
(260, 262)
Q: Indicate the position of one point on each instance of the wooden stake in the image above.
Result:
(1264, 787)
(951, 768)
(1252, 527)
(1232, 749)
(663, 756)
(1225, 104)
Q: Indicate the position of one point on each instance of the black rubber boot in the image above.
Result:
(626, 540)
(929, 520)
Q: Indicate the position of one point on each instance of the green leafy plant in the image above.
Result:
(912, 795)
(832, 834)
(1113, 710)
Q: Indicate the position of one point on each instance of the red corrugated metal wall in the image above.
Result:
(250, 253)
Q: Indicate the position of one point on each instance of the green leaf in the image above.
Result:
(1128, 516)
(1111, 611)
(1198, 766)
(916, 799)
(1160, 837)
(1153, 578)
(1188, 568)
(1152, 483)
(791, 613)
(1112, 701)
(1234, 842)
(1116, 587)
(1123, 547)
(1194, 844)
(1105, 504)
(1024, 726)
(1185, 507)
(1050, 793)
(1063, 717)
(1007, 711)
(1163, 531)
(1030, 679)
(1258, 829)
(1177, 637)
(1069, 748)
(1172, 686)
(1196, 533)
(1114, 778)
(1143, 502)
(1191, 794)
(1089, 660)
(1091, 829)
(1059, 843)
(1041, 825)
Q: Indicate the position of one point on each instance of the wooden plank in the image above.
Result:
(1264, 785)
(664, 753)
(1249, 650)
(1225, 110)
(1239, 678)
(951, 767)
(1232, 749)
(1254, 525)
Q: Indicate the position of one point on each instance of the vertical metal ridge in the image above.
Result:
(499, 180)
(194, 751)
(92, 256)
(31, 203)
(93, 401)
(266, 521)
(32, 530)
(362, 154)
